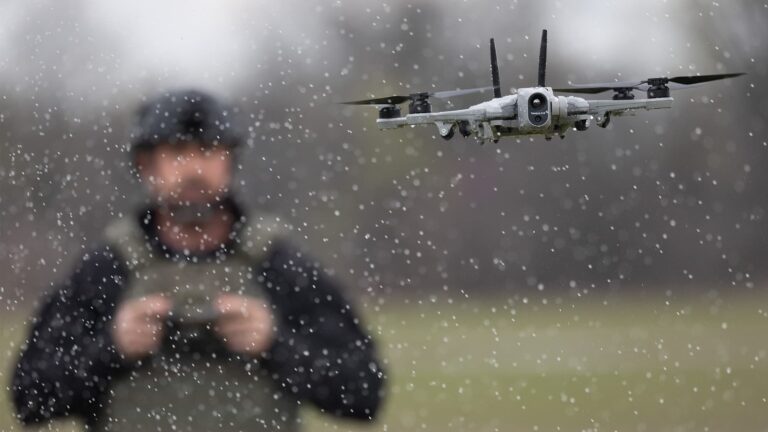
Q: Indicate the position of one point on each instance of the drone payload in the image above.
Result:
(532, 110)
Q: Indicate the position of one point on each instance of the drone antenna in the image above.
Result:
(543, 58)
(495, 72)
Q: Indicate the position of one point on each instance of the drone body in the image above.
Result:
(533, 110)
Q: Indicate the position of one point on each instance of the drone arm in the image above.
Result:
(472, 115)
(447, 116)
(600, 107)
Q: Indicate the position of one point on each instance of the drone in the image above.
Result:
(532, 110)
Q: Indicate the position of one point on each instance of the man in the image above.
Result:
(194, 315)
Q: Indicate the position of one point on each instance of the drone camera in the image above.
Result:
(534, 109)
(538, 109)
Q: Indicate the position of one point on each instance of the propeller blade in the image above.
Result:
(670, 85)
(599, 87)
(398, 99)
(615, 84)
(451, 93)
(675, 83)
(391, 100)
(703, 78)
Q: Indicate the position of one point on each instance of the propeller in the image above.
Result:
(398, 99)
(674, 83)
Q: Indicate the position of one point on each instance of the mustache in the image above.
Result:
(193, 186)
(195, 183)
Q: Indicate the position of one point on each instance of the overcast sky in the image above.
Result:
(205, 42)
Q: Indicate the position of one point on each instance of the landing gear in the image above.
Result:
(448, 134)
(464, 128)
(582, 125)
(604, 120)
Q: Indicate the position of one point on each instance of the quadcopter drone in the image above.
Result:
(533, 110)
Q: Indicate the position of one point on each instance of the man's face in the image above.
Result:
(186, 173)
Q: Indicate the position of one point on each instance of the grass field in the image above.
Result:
(654, 363)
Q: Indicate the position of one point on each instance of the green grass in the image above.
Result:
(626, 364)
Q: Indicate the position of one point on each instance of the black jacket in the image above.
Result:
(320, 354)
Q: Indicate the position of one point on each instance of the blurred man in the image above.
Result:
(195, 315)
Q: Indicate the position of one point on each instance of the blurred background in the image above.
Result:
(610, 281)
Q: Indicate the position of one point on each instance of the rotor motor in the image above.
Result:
(658, 88)
(419, 104)
(623, 93)
(389, 112)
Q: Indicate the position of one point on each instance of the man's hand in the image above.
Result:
(138, 326)
(245, 324)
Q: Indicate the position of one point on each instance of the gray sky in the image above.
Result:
(194, 42)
